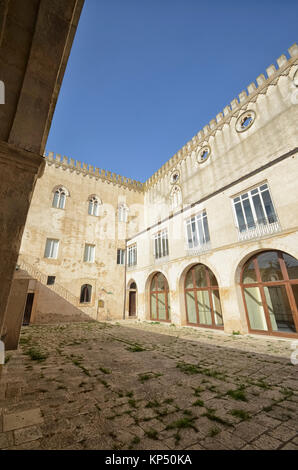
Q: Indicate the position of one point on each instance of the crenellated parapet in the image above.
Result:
(91, 171)
(273, 72)
(240, 103)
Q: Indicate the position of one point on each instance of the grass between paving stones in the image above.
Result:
(104, 370)
(153, 404)
(135, 441)
(203, 369)
(191, 369)
(168, 401)
(213, 432)
(36, 354)
(132, 403)
(197, 391)
(135, 348)
(259, 383)
(286, 392)
(7, 358)
(198, 403)
(162, 413)
(210, 414)
(77, 361)
(152, 434)
(132, 347)
(148, 375)
(242, 414)
(286, 395)
(61, 387)
(76, 342)
(103, 382)
(183, 423)
(238, 394)
(25, 340)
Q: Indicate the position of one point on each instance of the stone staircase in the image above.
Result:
(57, 288)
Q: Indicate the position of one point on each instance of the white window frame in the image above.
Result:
(51, 248)
(120, 256)
(240, 198)
(93, 206)
(132, 255)
(59, 203)
(122, 213)
(89, 253)
(161, 244)
(197, 233)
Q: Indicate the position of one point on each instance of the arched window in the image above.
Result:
(175, 197)
(86, 290)
(93, 205)
(202, 298)
(159, 298)
(269, 284)
(59, 198)
(122, 213)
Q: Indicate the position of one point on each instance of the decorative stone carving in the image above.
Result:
(203, 154)
(245, 121)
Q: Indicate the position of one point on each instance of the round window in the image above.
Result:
(245, 121)
(203, 154)
(295, 78)
(175, 177)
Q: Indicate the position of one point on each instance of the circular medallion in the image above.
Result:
(203, 154)
(245, 121)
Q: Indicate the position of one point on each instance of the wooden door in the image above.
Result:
(132, 303)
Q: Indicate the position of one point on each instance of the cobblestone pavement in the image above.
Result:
(138, 385)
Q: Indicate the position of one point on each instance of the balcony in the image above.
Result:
(199, 249)
(258, 230)
(161, 259)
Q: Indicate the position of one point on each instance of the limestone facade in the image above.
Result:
(227, 195)
(74, 228)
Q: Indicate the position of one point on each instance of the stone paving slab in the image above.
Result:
(21, 420)
(141, 385)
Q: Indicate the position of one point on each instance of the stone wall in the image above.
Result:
(74, 227)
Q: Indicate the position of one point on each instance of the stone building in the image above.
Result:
(209, 240)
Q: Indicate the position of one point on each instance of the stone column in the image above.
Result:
(19, 171)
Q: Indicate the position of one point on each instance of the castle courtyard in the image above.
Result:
(141, 385)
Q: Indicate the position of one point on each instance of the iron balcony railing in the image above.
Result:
(161, 259)
(258, 230)
(199, 249)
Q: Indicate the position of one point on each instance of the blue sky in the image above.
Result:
(144, 76)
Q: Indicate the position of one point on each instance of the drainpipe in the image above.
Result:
(124, 279)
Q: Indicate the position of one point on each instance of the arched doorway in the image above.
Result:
(269, 282)
(132, 300)
(202, 300)
(159, 298)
